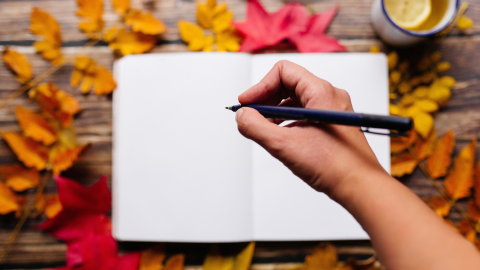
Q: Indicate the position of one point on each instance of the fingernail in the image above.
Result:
(237, 115)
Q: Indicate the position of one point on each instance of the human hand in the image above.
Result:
(324, 156)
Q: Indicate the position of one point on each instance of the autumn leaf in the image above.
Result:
(424, 148)
(176, 262)
(439, 93)
(243, 260)
(19, 178)
(423, 124)
(228, 40)
(460, 179)
(403, 164)
(152, 258)
(121, 6)
(465, 23)
(145, 23)
(467, 230)
(27, 150)
(18, 64)
(401, 143)
(91, 11)
(441, 158)
(477, 185)
(322, 257)
(35, 126)
(89, 74)
(473, 211)
(440, 206)
(40, 203)
(43, 24)
(53, 206)
(127, 42)
(8, 200)
(215, 261)
(65, 159)
(193, 35)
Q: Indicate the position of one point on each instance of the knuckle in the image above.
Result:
(345, 99)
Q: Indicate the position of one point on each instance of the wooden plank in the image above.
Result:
(352, 21)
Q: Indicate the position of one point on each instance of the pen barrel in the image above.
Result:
(400, 124)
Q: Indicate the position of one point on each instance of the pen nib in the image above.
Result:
(228, 108)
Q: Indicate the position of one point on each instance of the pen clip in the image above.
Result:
(391, 134)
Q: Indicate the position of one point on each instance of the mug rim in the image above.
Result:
(418, 34)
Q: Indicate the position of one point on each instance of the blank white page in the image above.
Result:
(284, 207)
(182, 171)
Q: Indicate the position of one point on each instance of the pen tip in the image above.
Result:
(226, 108)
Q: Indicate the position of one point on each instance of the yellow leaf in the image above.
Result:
(447, 81)
(152, 259)
(121, 6)
(440, 206)
(19, 178)
(460, 179)
(400, 143)
(92, 11)
(441, 158)
(395, 76)
(19, 64)
(228, 40)
(443, 66)
(145, 23)
(420, 92)
(204, 16)
(392, 60)
(323, 257)
(222, 22)
(402, 164)
(243, 260)
(132, 42)
(404, 87)
(465, 23)
(41, 23)
(76, 78)
(111, 34)
(211, 4)
(426, 105)
(192, 35)
(103, 82)
(394, 109)
(35, 127)
(407, 100)
(374, 49)
(423, 124)
(82, 62)
(176, 262)
(8, 200)
(424, 148)
(439, 93)
(28, 151)
(52, 206)
(65, 159)
(215, 261)
(208, 47)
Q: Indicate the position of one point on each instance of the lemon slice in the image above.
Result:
(408, 14)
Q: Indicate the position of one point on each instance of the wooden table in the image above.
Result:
(34, 249)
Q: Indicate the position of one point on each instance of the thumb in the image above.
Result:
(254, 126)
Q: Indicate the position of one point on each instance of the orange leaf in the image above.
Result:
(439, 205)
(322, 257)
(27, 150)
(424, 148)
(121, 6)
(400, 143)
(8, 200)
(132, 42)
(477, 185)
(103, 82)
(244, 258)
(176, 262)
(441, 157)
(460, 180)
(473, 211)
(145, 23)
(65, 159)
(52, 206)
(467, 230)
(19, 64)
(40, 203)
(35, 127)
(41, 23)
(403, 164)
(152, 258)
(19, 178)
(92, 11)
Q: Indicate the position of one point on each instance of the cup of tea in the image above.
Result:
(407, 22)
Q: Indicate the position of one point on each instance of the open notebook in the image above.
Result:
(183, 173)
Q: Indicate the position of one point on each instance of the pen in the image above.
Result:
(400, 124)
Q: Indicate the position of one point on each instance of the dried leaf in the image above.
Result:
(473, 211)
(215, 261)
(91, 11)
(400, 143)
(228, 40)
(441, 157)
(423, 124)
(439, 93)
(53, 206)
(121, 6)
(132, 42)
(193, 35)
(467, 230)
(41, 23)
(176, 262)
(145, 23)
(111, 34)
(27, 150)
(152, 258)
(447, 81)
(103, 82)
(64, 160)
(375, 49)
(424, 148)
(477, 185)
(19, 178)
(392, 60)
(87, 72)
(40, 203)
(18, 63)
(465, 23)
(35, 126)
(403, 164)
(439, 205)
(323, 257)
(460, 179)
(8, 200)
(243, 260)
(426, 105)
(443, 66)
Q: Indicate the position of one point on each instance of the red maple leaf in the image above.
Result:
(83, 225)
(313, 38)
(262, 29)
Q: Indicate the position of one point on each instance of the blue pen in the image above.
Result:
(400, 124)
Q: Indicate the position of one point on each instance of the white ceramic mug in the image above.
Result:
(394, 35)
